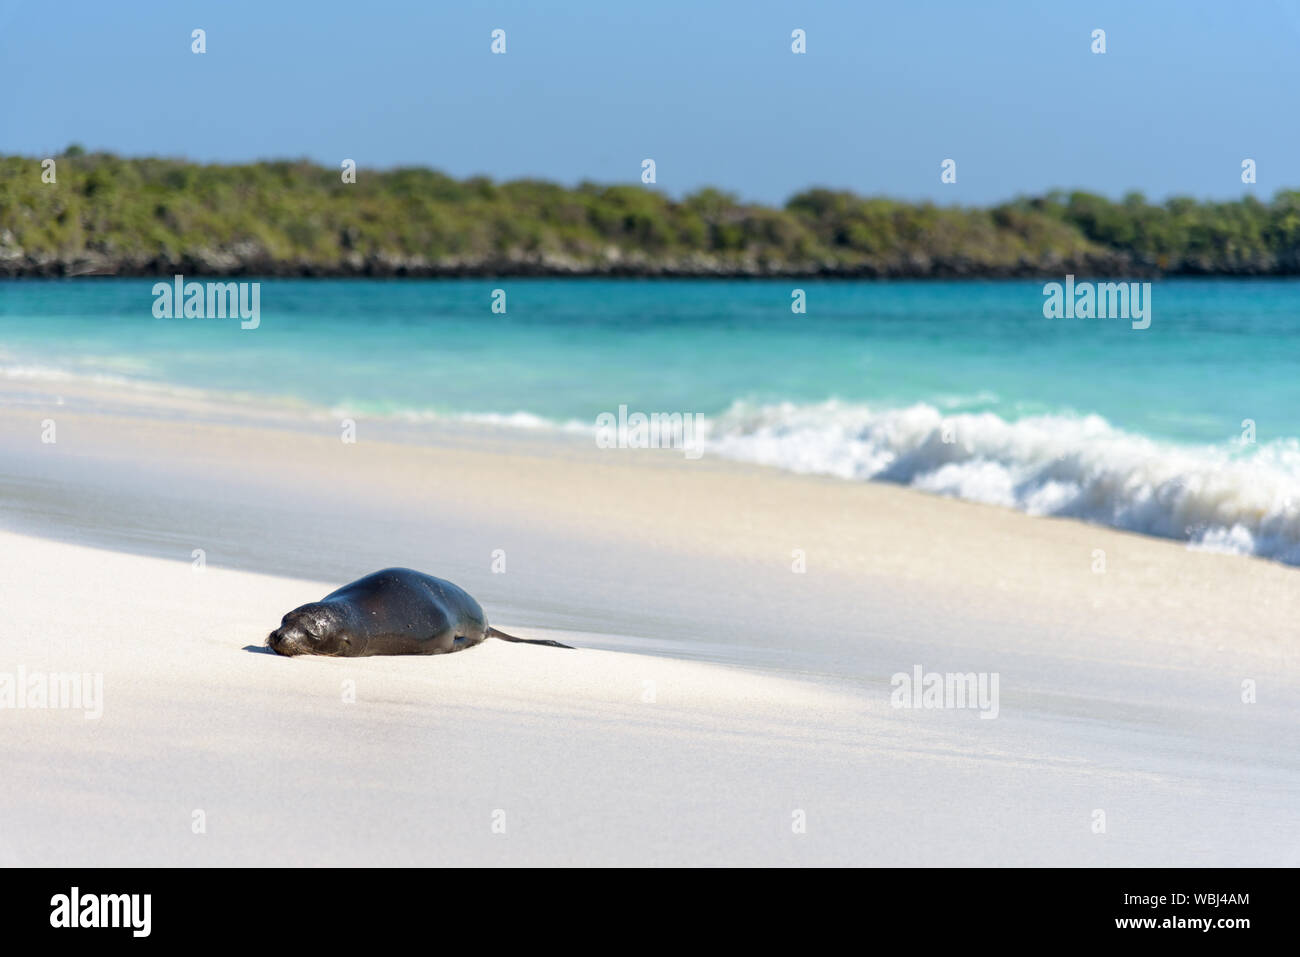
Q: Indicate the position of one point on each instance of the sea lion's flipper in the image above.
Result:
(493, 633)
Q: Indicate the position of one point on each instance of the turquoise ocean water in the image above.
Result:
(962, 389)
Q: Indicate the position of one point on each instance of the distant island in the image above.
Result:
(106, 215)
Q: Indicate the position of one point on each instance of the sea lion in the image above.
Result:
(396, 611)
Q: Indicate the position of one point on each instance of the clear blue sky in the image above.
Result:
(711, 91)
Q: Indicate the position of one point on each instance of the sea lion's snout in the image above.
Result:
(309, 630)
(287, 640)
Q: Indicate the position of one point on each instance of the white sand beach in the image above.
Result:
(716, 697)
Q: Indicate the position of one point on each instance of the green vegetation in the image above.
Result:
(111, 216)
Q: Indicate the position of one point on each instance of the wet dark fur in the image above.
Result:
(396, 611)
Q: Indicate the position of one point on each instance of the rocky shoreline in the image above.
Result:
(14, 263)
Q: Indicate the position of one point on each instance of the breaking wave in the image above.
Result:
(1233, 497)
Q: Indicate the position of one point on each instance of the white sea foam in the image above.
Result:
(1225, 498)
(1244, 500)
(522, 420)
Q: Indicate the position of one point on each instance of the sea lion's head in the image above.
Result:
(318, 628)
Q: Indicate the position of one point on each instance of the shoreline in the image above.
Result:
(142, 448)
(769, 690)
(1091, 268)
(34, 386)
